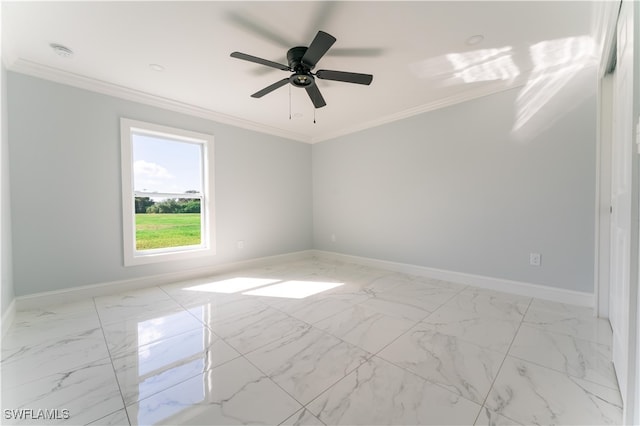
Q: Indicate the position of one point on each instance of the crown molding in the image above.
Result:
(34, 69)
(465, 96)
(56, 75)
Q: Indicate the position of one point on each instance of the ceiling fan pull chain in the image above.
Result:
(314, 115)
(289, 102)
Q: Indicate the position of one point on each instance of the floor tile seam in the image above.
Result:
(397, 337)
(188, 310)
(312, 327)
(303, 407)
(170, 296)
(290, 317)
(323, 318)
(116, 354)
(16, 325)
(423, 285)
(184, 361)
(381, 298)
(76, 367)
(322, 392)
(297, 310)
(483, 348)
(583, 311)
(453, 296)
(515, 422)
(142, 317)
(488, 315)
(173, 385)
(498, 294)
(413, 324)
(434, 311)
(503, 361)
(563, 372)
(565, 335)
(111, 413)
(574, 380)
(465, 340)
(84, 362)
(368, 356)
(472, 311)
(146, 299)
(431, 382)
(379, 278)
(155, 299)
(533, 325)
(113, 367)
(75, 334)
(563, 315)
(440, 385)
(377, 311)
(228, 342)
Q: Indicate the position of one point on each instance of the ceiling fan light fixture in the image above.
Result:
(301, 80)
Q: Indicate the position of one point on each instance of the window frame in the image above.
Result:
(132, 256)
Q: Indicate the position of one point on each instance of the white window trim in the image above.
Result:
(207, 247)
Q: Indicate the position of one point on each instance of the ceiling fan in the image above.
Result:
(301, 61)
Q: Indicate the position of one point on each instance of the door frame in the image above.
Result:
(608, 13)
(609, 17)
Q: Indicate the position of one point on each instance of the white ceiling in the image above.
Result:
(416, 51)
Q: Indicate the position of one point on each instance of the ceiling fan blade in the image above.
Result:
(347, 77)
(269, 89)
(358, 52)
(324, 14)
(319, 46)
(244, 56)
(243, 19)
(316, 96)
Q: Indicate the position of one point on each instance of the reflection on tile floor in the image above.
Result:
(310, 342)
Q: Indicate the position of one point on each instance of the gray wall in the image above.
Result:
(453, 189)
(6, 267)
(65, 188)
(456, 189)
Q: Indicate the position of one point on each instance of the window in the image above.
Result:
(166, 200)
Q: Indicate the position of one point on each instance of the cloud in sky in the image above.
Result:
(145, 169)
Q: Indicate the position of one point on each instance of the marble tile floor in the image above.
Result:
(309, 342)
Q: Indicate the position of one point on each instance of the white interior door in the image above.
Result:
(621, 187)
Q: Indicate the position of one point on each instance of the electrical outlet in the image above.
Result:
(534, 259)
(333, 238)
(240, 244)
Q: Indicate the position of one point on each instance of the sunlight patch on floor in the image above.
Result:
(266, 287)
(293, 289)
(233, 285)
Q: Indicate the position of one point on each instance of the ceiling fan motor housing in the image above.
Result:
(294, 57)
(302, 72)
(301, 60)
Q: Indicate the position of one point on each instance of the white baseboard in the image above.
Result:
(40, 300)
(7, 317)
(499, 284)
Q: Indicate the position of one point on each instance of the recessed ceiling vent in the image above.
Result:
(61, 50)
